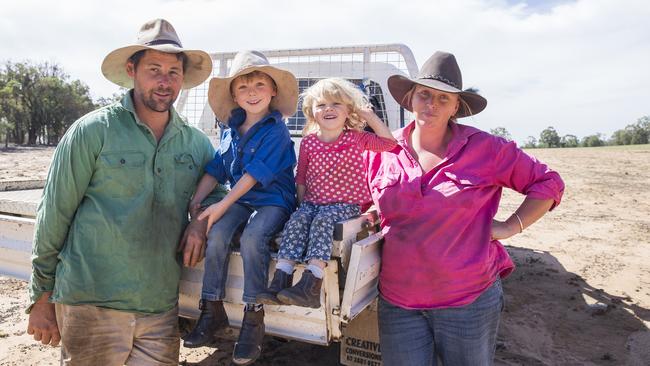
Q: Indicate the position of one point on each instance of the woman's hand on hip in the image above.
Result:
(503, 229)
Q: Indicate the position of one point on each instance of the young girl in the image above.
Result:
(330, 185)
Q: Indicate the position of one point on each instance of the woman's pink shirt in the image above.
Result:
(437, 250)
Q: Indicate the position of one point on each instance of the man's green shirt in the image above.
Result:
(113, 210)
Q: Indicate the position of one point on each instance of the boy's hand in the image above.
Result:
(213, 213)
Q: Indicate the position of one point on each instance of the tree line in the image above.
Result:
(632, 134)
(38, 102)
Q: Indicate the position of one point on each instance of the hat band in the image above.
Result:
(163, 41)
(441, 78)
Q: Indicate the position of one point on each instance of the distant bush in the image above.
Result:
(633, 134)
(549, 138)
(569, 141)
(592, 141)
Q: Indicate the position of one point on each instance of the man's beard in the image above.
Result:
(158, 106)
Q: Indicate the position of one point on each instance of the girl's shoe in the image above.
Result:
(305, 293)
(281, 280)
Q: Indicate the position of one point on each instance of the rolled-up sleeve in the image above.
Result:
(274, 155)
(515, 169)
(372, 142)
(71, 170)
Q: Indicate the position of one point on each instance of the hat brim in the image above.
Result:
(197, 70)
(286, 100)
(399, 85)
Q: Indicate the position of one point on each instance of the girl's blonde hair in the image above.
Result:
(335, 90)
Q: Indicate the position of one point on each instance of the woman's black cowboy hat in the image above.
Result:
(440, 72)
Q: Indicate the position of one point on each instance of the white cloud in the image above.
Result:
(579, 66)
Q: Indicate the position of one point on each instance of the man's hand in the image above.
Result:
(42, 321)
(193, 242)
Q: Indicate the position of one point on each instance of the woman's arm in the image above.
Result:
(529, 211)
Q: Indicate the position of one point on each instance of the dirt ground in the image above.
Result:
(580, 294)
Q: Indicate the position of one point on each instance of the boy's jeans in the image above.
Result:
(261, 226)
(458, 336)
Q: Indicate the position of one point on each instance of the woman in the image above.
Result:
(437, 193)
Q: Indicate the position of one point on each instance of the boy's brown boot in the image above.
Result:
(249, 345)
(305, 293)
(281, 280)
(212, 319)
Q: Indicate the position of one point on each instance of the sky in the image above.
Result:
(581, 66)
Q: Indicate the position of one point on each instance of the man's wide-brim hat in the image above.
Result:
(245, 62)
(158, 35)
(440, 72)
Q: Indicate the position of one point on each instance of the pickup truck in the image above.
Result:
(348, 296)
(347, 313)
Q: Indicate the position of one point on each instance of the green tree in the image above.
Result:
(640, 131)
(40, 101)
(5, 128)
(549, 138)
(501, 132)
(592, 141)
(621, 137)
(530, 143)
(569, 141)
(636, 133)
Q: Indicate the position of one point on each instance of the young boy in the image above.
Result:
(257, 158)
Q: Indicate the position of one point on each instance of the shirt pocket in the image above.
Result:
(459, 189)
(186, 173)
(248, 152)
(124, 173)
(386, 178)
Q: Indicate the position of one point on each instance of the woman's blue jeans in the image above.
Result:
(457, 336)
(262, 224)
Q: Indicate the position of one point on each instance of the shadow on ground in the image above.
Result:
(554, 317)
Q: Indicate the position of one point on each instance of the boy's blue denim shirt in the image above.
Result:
(265, 152)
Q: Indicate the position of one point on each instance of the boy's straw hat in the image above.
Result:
(440, 72)
(159, 35)
(245, 62)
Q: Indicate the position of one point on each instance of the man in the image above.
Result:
(105, 270)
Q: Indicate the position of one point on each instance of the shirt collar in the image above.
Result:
(238, 116)
(460, 135)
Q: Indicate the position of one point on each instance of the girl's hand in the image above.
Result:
(503, 230)
(213, 213)
(367, 114)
